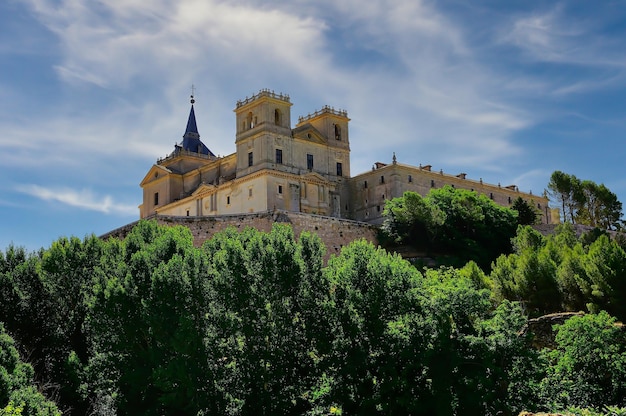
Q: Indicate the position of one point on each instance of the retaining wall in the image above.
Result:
(334, 232)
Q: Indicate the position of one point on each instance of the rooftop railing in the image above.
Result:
(263, 93)
(324, 110)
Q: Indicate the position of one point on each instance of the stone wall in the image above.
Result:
(334, 232)
(542, 328)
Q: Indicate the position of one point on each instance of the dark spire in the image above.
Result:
(192, 127)
(191, 138)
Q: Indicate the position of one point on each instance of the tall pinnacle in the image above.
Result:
(192, 127)
(191, 138)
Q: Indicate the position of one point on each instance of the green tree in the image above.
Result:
(585, 202)
(526, 213)
(601, 208)
(269, 286)
(474, 223)
(605, 265)
(477, 361)
(373, 314)
(149, 326)
(566, 190)
(610, 217)
(412, 219)
(32, 309)
(507, 374)
(588, 366)
(529, 275)
(458, 223)
(18, 394)
(574, 284)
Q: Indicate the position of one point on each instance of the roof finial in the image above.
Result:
(193, 89)
(394, 158)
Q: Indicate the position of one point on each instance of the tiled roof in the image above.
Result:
(191, 138)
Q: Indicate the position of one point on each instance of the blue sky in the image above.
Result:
(93, 92)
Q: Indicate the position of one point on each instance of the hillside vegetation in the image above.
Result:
(254, 323)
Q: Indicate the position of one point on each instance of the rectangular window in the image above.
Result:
(249, 192)
(365, 184)
(339, 169)
(309, 161)
(280, 189)
(279, 156)
(228, 200)
(382, 179)
(156, 198)
(250, 159)
(410, 178)
(432, 183)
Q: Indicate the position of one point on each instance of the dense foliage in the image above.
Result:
(450, 221)
(526, 213)
(254, 323)
(18, 394)
(563, 273)
(585, 202)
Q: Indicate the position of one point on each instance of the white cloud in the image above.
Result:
(584, 86)
(116, 41)
(557, 37)
(425, 90)
(83, 199)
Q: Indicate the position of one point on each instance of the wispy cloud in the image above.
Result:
(413, 78)
(581, 87)
(83, 199)
(113, 42)
(554, 36)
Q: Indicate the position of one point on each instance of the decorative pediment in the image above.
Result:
(204, 188)
(315, 177)
(309, 133)
(156, 172)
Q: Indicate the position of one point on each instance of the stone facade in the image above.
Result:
(305, 169)
(370, 190)
(334, 232)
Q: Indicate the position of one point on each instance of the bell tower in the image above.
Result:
(261, 119)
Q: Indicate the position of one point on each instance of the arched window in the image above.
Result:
(277, 117)
(337, 132)
(249, 121)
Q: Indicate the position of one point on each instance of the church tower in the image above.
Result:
(191, 139)
(263, 120)
(168, 180)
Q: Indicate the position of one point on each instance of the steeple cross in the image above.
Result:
(193, 90)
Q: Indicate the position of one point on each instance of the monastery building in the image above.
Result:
(301, 169)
